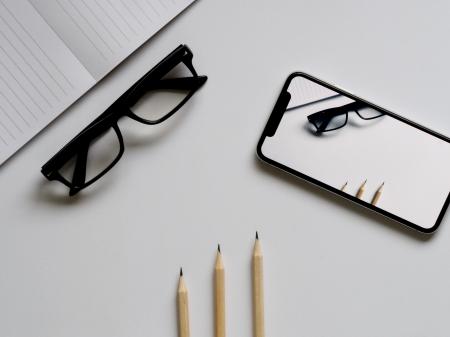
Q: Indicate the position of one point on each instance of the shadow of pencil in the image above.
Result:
(326, 196)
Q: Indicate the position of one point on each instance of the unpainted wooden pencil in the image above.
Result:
(219, 296)
(377, 194)
(258, 290)
(361, 190)
(183, 308)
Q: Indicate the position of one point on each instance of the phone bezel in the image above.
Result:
(268, 129)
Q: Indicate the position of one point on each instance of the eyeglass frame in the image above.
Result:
(330, 113)
(79, 145)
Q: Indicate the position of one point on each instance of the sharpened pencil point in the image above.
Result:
(218, 247)
(181, 272)
(258, 289)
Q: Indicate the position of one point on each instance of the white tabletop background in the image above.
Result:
(105, 263)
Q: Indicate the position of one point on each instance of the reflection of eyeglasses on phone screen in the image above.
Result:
(336, 118)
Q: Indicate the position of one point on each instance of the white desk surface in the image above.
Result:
(106, 263)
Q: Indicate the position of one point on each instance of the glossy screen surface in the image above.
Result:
(339, 141)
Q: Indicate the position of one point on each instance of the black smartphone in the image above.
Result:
(359, 151)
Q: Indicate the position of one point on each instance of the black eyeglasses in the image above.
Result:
(336, 118)
(166, 91)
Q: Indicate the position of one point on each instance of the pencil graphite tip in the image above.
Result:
(257, 236)
(363, 185)
(181, 272)
(218, 247)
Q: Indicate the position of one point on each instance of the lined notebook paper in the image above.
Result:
(53, 51)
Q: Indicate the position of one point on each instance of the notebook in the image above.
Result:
(53, 51)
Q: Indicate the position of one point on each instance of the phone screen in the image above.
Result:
(360, 151)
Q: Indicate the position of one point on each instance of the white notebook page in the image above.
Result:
(53, 51)
(102, 33)
(39, 76)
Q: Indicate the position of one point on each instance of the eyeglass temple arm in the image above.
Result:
(338, 110)
(181, 83)
(329, 113)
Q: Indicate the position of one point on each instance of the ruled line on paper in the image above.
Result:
(84, 18)
(129, 11)
(6, 128)
(111, 20)
(35, 85)
(8, 116)
(24, 91)
(32, 38)
(163, 4)
(82, 31)
(52, 52)
(27, 47)
(102, 23)
(25, 77)
(13, 92)
(113, 5)
(153, 9)
(304, 91)
(24, 39)
(13, 107)
(27, 63)
(102, 33)
(143, 11)
(3, 140)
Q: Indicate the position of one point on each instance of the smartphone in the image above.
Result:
(359, 151)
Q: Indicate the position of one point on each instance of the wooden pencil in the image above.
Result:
(344, 186)
(377, 194)
(258, 290)
(183, 308)
(219, 296)
(361, 190)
